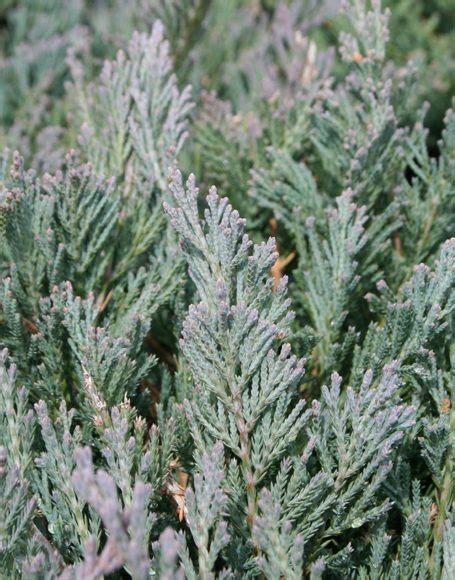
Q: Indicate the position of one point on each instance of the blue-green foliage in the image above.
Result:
(258, 385)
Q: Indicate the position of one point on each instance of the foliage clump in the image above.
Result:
(199, 386)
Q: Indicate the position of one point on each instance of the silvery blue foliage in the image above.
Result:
(251, 386)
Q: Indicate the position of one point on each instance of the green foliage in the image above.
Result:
(201, 387)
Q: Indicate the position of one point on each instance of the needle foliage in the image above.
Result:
(227, 265)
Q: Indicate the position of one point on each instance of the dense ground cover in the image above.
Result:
(247, 380)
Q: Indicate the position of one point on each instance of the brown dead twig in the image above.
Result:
(281, 263)
(177, 489)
